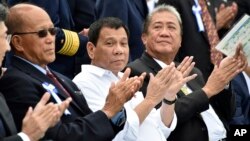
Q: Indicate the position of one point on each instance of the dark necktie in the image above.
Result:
(57, 83)
(212, 34)
(2, 129)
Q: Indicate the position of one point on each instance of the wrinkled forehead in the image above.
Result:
(31, 16)
(164, 17)
(108, 32)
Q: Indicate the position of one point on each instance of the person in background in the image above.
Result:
(241, 88)
(23, 84)
(203, 108)
(132, 13)
(36, 121)
(244, 8)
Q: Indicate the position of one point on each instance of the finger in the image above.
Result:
(179, 67)
(50, 114)
(230, 66)
(172, 77)
(226, 62)
(231, 69)
(189, 69)
(132, 93)
(238, 50)
(45, 98)
(151, 77)
(28, 113)
(168, 74)
(222, 6)
(126, 74)
(64, 105)
(234, 6)
(243, 64)
(143, 75)
(141, 78)
(189, 78)
(165, 70)
(185, 65)
(137, 83)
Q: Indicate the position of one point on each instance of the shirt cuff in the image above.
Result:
(24, 136)
(167, 130)
(131, 128)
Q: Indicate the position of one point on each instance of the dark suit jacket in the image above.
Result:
(83, 12)
(239, 87)
(190, 125)
(22, 87)
(194, 43)
(132, 13)
(243, 8)
(6, 117)
(71, 15)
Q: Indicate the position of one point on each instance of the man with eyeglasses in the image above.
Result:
(33, 44)
(73, 17)
(41, 33)
(35, 122)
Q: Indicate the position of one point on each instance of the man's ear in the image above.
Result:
(16, 42)
(91, 49)
(144, 38)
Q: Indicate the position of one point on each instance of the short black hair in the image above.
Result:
(111, 22)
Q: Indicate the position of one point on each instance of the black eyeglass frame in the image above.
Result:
(41, 33)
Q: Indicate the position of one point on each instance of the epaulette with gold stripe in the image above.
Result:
(71, 43)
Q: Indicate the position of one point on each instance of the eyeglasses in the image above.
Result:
(41, 33)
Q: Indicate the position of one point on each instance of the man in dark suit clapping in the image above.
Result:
(33, 44)
(35, 122)
(203, 109)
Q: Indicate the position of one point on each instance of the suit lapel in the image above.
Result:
(7, 117)
(244, 83)
(151, 63)
(41, 78)
(78, 99)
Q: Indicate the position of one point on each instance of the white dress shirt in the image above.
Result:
(151, 5)
(247, 78)
(215, 127)
(24, 136)
(94, 82)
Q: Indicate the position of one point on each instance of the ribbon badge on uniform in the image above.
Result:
(197, 12)
(53, 91)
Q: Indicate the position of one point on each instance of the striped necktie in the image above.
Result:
(57, 83)
(211, 32)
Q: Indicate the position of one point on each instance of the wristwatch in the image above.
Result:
(168, 102)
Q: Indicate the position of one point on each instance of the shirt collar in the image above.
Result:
(35, 65)
(99, 71)
(162, 64)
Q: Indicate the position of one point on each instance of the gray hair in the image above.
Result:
(158, 9)
(3, 12)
